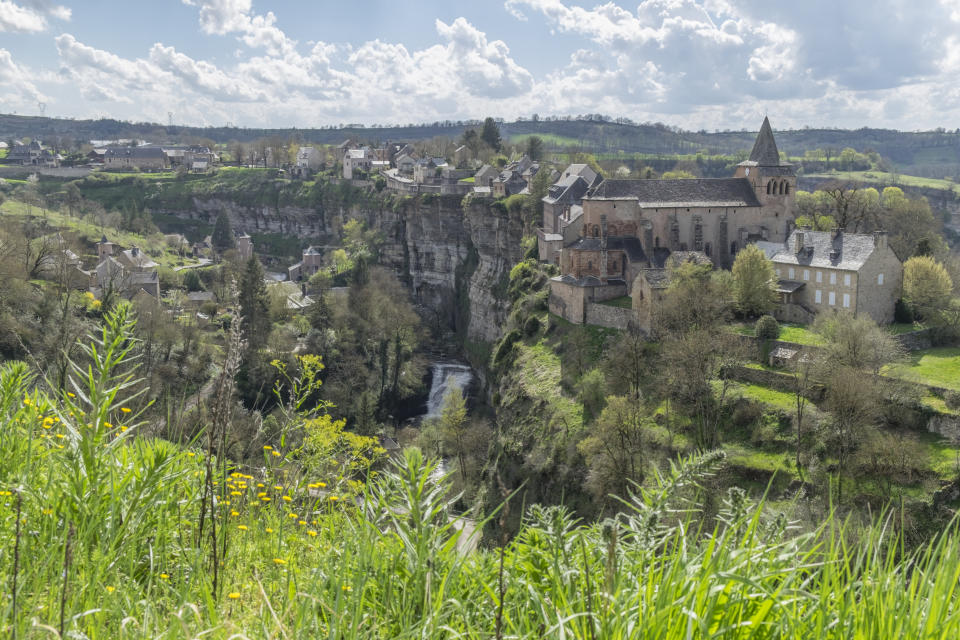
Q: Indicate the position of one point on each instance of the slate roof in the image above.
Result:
(764, 151)
(586, 281)
(704, 192)
(628, 244)
(134, 152)
(846, 251)
(789, 286)
(568, 189)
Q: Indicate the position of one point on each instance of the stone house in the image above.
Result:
(130, 158)
(429, 170)
(310, 263)
(355, 160)
(35, 154)
(405, 163)
(650, 284)
(819, 271)
(563, 210)
(630, 225)
(244, 245)
(485, 176)
(309, 158)
(124, 271)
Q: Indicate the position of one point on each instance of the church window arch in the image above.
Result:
(770, 187)
(786, 189)
(596, 231)
(781, 188)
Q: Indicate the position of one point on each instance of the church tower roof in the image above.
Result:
(765, 152)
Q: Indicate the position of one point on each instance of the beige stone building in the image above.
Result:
(632, 225)
(822, 271)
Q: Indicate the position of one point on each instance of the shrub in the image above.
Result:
(952, 399)
(531, 326)
(767, 328)
(902, 313)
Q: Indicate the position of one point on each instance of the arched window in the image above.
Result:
(589, 265)
(733, 248)
(781, 188)
(613, 267)
(656, 242)
(596, 231)
(786, 189)
(769, 187)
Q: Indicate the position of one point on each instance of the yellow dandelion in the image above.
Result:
(321, 484)
(287, 499)
(108, 425)
(125, 409)
(269, 530)
(233, 595)
(235, 493)
(191, 453)
(260, 485)
(333, 498)
(275, 454)
(61, 436)
(242, 527)
(110, 589)
(6, 493)
(265, 498)
(347, 588)
(312, 533)
(279, 561)
(164, 576)
(301, 522)
(234, 513)
(267, 447)
(261, 494)
(278, 487)
(122, 428)
(293, 515)
(47, 426)
(72, 395)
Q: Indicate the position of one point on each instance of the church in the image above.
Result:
(627, 226)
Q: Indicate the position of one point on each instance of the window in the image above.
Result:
(846, 279)
(833, 278)
(879, 278)
(806, 274)
(832, 298)
(791, 273)
(769, 187)
(819, 276)
(846, 300)
(786, 189)
(778, 272)
(818, 296)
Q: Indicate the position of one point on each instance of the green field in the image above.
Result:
(883, 179)
(939, 367)
(796, 333)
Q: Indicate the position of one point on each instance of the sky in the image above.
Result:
(697, 64)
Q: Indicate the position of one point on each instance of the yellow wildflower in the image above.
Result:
(287, 499)
(267, 447)
(276, 454)
(108, 425)
(269, 530)
(233, 595)
(72, 395)
(242, 527)
(235, 493)
(125, 409)
(265, 499)
(164, 576)
(293, 515)
(312, 533)
(333, 498)
(110, 589)
(234, 513)
(279, 561)
(347, 588)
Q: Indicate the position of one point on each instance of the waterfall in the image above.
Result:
(445, 374)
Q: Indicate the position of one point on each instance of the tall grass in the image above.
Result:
(107, 538)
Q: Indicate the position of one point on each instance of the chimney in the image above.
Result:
(798, 239)
(880, 239)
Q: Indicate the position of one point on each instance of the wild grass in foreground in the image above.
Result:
(101, 539)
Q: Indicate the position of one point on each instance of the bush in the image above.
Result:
(902, 313)
(952, 399)
(767, 328)
(531, 326)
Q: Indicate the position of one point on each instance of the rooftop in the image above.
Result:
(703, 192)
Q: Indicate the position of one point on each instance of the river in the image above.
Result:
(443, 376)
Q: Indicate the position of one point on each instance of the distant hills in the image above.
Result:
(926, 153)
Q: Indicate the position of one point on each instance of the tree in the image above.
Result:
(254, 305)
(191, 280)
(927, 286)
(852, 400)
(535, 147)
(855, 342)
(222, 237)
(615, 449)
(755, 282)
(491, 134)
(72, 198)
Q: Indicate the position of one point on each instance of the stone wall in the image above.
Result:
(604, 315)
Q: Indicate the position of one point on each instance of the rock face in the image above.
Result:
(455, 260)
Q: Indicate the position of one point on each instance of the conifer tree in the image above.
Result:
(254, 305)
(222, 238)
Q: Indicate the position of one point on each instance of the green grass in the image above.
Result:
(550, 140)
(883, 179)
(899, 328)
(939, 367)
(623, 302)
(799, 334)
(769, 397)
(103, 527)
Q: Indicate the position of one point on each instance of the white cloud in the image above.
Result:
(18, 92)
(222, 17)
(31, 18)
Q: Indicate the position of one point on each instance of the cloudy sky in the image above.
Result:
(693, 63)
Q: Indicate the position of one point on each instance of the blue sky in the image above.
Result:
(711, 64)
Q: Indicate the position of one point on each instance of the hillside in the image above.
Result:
(922, 153)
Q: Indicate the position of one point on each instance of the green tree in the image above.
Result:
(491, 134)
(254, 305)
(222, 237)
(535, 147)
(616, 447)
(755, 281)
(191, 280)
(927, 286)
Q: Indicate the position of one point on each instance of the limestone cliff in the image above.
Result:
(455, 258)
